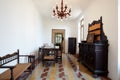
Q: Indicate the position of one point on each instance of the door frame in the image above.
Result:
(62, 31)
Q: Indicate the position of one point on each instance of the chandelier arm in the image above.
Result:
(65, 8)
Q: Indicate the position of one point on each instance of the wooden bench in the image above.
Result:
(14, 72)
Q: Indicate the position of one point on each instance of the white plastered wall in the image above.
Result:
(119, 39)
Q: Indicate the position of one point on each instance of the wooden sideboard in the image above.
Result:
(93, 52)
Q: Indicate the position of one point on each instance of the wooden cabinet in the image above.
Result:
(72, 45)
(93, 52)
(94, 57)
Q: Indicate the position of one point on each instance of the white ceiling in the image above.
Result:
(45, 7)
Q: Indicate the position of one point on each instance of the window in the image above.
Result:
(82, 29)
(58, 38)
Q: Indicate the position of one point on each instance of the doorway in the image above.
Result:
(58, 38)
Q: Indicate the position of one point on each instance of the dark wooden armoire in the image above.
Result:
(93, 52)
(72, 45)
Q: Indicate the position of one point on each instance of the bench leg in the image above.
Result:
(12, 77)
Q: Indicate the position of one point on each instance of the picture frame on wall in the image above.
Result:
(90, 38)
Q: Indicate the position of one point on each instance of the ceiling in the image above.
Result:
(45, 7)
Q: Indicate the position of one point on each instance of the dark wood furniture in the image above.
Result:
(59, 52)
(59, 56)
(72, 45)
(15, 72)
(49, 54)
(39, 54)
(93, 52)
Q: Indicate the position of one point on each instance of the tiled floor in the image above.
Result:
(69, 69)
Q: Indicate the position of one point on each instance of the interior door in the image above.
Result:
(58, 36)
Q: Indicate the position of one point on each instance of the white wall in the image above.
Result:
(108, 10)
(70, 27)
(20, 27)
(119, 38)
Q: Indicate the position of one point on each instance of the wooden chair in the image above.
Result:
(48, 55)
(59, 56)
(58, 53)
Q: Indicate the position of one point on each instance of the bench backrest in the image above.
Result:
(9, 57)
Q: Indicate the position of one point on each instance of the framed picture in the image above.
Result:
(90, 38)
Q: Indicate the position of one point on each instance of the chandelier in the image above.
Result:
(63, 12)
